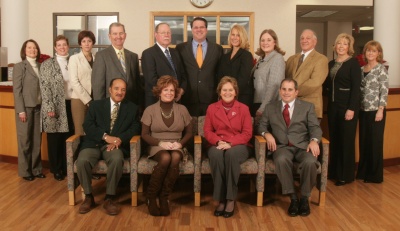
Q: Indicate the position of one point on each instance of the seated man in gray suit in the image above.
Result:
(117, 62)
(109, 125)
(292, 131)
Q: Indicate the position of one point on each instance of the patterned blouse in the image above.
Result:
(374, 88)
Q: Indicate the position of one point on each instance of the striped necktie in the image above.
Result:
(170, 60)
(300, 61)
(122, 60)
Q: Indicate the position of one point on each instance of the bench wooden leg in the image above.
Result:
(71, 198)
(140, 188)
(134, 199)
(197, 199)
(321, 201)
(260, 199)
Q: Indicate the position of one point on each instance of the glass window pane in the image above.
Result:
(70, 26)
(211, 28)
(176, 25)
(227, 22)
(99, 26)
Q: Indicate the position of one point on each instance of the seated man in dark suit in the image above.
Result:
(109, 125)
(292, 131)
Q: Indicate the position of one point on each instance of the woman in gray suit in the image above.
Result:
(268, 72)
(80, 74)
(27, 107)
(56, 106)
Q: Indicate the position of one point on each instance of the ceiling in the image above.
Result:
(358, 15)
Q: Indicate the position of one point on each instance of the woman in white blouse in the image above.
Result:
(80, 72)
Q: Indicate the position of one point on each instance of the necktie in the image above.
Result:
(199, 55)
(122, 60)
(300, 61)
(114, 115)
(286, 115)
(170, 60)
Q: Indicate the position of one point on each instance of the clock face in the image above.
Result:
(201, 3)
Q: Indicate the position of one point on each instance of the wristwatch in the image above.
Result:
(314, 139)
(263, 134)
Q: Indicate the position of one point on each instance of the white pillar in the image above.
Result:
(14, 27)
(387, 32)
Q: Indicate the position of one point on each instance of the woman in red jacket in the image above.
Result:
(228, 129)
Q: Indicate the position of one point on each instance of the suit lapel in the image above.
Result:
(189, 52)
(117, 63)
(120, 118)
(161, 54)
(209, 54)
(29, 68)
(107, 113)
(296, 111)
(278, 112)
(83, 60)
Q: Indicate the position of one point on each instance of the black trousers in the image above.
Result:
(370, 165)
(56, 145)
(342, 135)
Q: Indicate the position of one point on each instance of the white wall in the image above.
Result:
(277, 15)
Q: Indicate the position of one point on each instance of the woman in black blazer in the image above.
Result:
(343, 86)
(238, 63)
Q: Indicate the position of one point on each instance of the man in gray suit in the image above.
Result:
(200, 58)
(292, 131)
(117, 62)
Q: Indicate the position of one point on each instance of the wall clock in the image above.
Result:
(201, 3)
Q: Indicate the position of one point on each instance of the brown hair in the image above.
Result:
(23, 49)
(244, 41)
(351, 43)
(115, 24)
(60, 37)
(228, 79)
(86, 34)
(199, 19)
(271, 32)
(378, 46)
(290, 80)
(163, 82)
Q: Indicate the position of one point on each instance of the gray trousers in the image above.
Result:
(225, 170)
(89, 157)
(308, 165)
(29, 139)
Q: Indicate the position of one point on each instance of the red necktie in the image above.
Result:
(286, 115)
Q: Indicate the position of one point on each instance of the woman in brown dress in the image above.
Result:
(166, 128)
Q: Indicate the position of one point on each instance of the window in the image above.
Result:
(219, 25)
(70, 24)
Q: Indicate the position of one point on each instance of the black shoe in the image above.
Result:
(340, 183)
(372, 181)
(304, 209)
(218, 213)
(228, 214)
(294, 208)
(59, 176)
(28, 178)
(40, 175)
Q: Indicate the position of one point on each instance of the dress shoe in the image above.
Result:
(28, 178)
(218, 213)
(372, 181)
(59, 176)
(40, 175)
(87, 205)
(111, 207)
(340, 183)
(228, 214)
(304, 209)
(293, 207)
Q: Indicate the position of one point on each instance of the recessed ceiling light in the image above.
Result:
(318, 14)
(366, 28)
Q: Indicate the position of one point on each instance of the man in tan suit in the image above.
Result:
(310, 69)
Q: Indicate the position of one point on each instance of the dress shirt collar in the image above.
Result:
(306, 54)
(112, 104)
(117, 51)
(162, 48)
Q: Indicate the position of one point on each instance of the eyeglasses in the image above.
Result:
(164, 33)
(199, 28)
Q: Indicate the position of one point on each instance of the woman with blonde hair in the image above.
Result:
(343, 88)
(238, 63)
